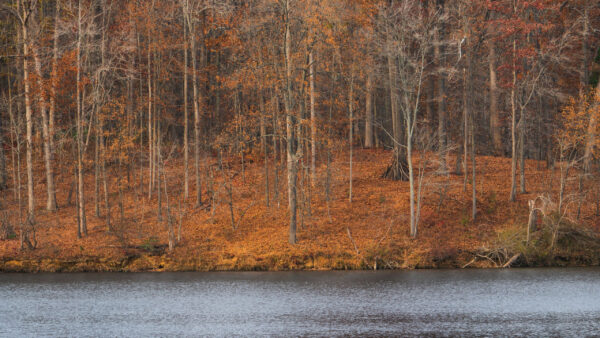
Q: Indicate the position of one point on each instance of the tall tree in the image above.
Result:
(82, 229)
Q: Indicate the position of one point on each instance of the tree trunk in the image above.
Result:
(521, 127)
(158, 171)
(3, 174)
(291, 155)
(474, 170)
(438, 51)
(275, 152)
(15, 154)
(54, 79)
(104, 178)
(313, 119)
(513, 127)
(465, 131)
(76, 184)
(196, 119)
(29, 122)
(97, 170)
(185, 110)
(411, 178)
(351, 135)
(263, 133)
(80, 182)
(397, 170)
(54, 86)
(369, 112)
(150, 132)
(50, 190)
(494, 114)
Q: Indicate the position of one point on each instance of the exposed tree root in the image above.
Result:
(397, 170)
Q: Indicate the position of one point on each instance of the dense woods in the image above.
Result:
(181, 123)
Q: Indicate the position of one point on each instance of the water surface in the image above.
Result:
(516, 302)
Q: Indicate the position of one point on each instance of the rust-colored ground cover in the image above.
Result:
(371, 231)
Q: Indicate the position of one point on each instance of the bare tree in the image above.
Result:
(43, 108)
(82, 229)
(293, 153)
(412, 32)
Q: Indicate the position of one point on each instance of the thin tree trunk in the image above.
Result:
(350, 132)
(185, 113)
(54, 86)
(150, 132)
(396, 171)
(591, 131)
(104, 178)
(521, 127)
(465, 131)
(328, 144)
(393, 101)
(76, 184)
(3, 174)
(196, 119)
(14, 137)
(50, 190)
(375, 130)
(80, 182)
(411, 179)
(276, 136)
(494, 114)
(313, 119)
(369, 112)
(97, 170)
(158, 171)
(513, 127)
(441, 105)
(291, 157)
(263, 138)
(29, 123)
(474, 170)
(141, 115)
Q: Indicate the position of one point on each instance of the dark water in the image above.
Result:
(542, 302)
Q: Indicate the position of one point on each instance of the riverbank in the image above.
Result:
(167, 263)
(370, 232)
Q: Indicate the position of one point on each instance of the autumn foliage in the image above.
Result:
(298, 134)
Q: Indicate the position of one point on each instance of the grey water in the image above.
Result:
(516, 302)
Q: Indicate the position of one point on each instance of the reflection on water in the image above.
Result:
(521, 302)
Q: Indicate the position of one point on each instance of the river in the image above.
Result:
(515, 302)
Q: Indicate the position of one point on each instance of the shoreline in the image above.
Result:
(164, 263)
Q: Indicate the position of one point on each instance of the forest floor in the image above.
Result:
(371, 232)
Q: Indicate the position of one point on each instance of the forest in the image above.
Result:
(298, 134)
